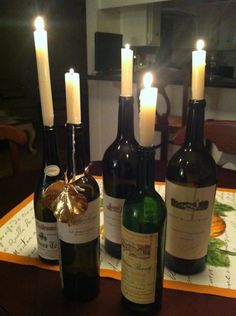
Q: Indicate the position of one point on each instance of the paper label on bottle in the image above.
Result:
(112, 208)
(47, 240)
(189, 214)
(86, 227)
(139, 266)
(52, 170)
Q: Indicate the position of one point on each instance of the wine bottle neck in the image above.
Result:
(75, 150)
(195, 124)
(50, 154)
(146, 168)
(125, 119)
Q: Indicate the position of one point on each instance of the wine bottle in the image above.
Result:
(143, 240)
(119, 175)
(46, 227)
(190, 193)
(80, 242)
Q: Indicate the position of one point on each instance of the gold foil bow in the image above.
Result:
(64, 199)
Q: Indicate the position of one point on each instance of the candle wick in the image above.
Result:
(39, 23)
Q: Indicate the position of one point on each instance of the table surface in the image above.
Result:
(27, 290)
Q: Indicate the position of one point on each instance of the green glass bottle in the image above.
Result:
(143, 240)
(46, 227)
(190, 193)
(79, 242)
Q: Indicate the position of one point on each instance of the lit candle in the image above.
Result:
(126, 71)
(72, 84)
(148, 100)
(41, 49)
(198, 71)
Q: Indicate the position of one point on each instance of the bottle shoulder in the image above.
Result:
(46, 178)
(144, 212)
(119, 153)
(185, 156)
(120, 159)
(192, 166)
(142, 195)
(121, 147)
(90, 186)
(141, 200)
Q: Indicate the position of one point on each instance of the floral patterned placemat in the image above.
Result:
(18, 244)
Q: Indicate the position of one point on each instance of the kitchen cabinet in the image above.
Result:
(217, 25)
(212, 21)
(208, 22)
(178, 29)
(227, 28)
(140, 24)
(108, 4)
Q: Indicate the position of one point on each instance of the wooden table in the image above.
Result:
(26, 290)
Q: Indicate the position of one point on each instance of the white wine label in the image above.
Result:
(189, 213)
(86, 227)
(47, 240)
(112, 208)
(52, 170)
(139, 265)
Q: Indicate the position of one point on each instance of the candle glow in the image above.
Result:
(41, 50)
(39, 23)
(72, 86)
(126, 71)
(148, 99)
(198, 71)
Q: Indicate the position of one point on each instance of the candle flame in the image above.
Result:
(147, 80)
(127, 46)
(71, 70)
(39, 23)
(200, 44)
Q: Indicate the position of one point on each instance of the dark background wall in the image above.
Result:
(66, 26)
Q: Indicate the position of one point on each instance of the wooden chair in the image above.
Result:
(15, 137)
(166, 123)
(222, 134)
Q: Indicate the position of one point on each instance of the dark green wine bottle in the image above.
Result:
(190, 193)
(46, 227)
(79, 242)
(143, 240)
(119, 175)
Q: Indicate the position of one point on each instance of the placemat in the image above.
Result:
(18, 245)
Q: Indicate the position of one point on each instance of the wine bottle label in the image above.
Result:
(112, 208)
(52, 170)
(47, 240)
(86, 227)
(189, 213)
(139, 266)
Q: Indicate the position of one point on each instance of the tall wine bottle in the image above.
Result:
(190, 193)
(46, 227)
(119, 175)
(143, 240)
(79, 241)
